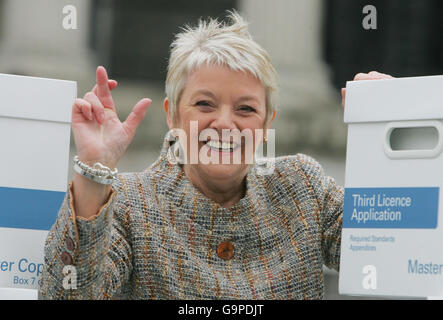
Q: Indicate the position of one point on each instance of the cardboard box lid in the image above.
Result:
(20, 96)
(413, 98)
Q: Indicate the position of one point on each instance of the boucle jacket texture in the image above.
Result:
(157, 236)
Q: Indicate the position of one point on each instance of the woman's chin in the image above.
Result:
(222, 171)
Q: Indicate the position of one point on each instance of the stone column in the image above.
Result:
(34, 41)
(309, 113)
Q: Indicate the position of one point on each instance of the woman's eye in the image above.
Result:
(247, 108)
(203, 103)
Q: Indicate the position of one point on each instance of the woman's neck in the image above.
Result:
(226, 192)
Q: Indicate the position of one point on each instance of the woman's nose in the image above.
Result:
(223, 120)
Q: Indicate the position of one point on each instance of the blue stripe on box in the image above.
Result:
(29, 208)
(391, 208)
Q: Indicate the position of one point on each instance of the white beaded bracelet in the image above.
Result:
(97, 173)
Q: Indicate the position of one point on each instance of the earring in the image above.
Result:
(170, 137)
(172, 155)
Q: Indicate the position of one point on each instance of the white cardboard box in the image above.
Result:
(392, 238)
(35, 122)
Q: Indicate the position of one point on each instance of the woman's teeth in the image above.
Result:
(224, 146)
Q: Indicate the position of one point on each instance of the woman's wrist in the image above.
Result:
(98, 172)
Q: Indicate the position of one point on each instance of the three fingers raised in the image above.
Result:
(99, 98)
(87, 107)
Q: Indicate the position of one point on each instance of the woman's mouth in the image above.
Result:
(221, 146)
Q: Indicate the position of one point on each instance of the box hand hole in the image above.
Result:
(418, 138)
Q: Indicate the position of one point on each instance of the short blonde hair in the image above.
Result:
(215, 43)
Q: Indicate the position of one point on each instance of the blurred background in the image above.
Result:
(316, 46)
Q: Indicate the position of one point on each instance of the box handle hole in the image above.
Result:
(413, 139)
(418, 138)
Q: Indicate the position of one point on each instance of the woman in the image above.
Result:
(194, 230)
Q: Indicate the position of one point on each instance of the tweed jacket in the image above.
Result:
(157, 237)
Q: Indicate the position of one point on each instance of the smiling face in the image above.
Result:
(220, 99)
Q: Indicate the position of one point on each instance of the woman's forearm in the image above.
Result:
(86, 245)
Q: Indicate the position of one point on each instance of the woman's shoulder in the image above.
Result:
(298, 172)
(300, 159)
(309, 172)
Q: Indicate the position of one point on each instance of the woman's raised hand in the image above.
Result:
(373, 75)
(99, 134)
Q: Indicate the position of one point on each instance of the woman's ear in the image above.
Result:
(272, 119)
(168, 115)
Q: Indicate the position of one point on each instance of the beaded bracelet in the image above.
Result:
(97, 173)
